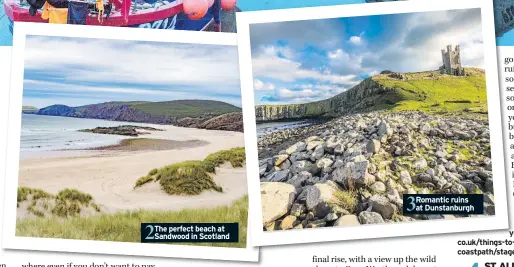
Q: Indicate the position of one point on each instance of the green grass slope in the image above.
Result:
(434, 92)
(186, 108)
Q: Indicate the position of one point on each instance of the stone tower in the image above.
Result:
(451, 61)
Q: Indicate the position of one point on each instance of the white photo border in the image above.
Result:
(262, 238)
(10, 240)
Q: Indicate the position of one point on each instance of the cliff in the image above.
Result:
(184, 113)
(428, 91)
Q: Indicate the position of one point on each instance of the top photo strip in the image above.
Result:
(369, 121)
(194, 15)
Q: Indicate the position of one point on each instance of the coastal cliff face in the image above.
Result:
(428, 91)
(359, 98)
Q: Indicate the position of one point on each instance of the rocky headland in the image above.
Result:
(205, 114)
(400, 134)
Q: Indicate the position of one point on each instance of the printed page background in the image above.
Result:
(445, 247)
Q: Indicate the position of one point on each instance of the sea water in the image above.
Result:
(269, 127)
(40, 134)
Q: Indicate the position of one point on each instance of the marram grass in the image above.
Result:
(126, 226)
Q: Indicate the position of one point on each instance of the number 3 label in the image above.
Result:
(411, 203)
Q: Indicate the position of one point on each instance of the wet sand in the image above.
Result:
(142, 144)
(109, 175)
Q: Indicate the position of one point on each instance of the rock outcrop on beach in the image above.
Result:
(422, 90)
(354, 169)
(183, 113)
(127, 130)
(227, 122)
(29, 110)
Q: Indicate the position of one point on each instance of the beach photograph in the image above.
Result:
(352, 114)
(135, 132)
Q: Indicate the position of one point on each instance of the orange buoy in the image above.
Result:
(228, 4)
(210, 2)
(195, 9)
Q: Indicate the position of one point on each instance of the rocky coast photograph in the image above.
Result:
(111, 138)
(352, 113)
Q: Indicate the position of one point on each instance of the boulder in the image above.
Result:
(278, 159)
(457, 189)
(373, 146)
(313, 144)
(381, 205)
(378, 187)
(405, 178)
(420, 164)
(298, 147)
(299, 180)
(277, 199)
(368, 217)
(384, 129)
(354, 172)
(300, 166)
(347, 220)
(298, 209)
(279, 176)
(288, 222)
(320, 198)
(324, 163)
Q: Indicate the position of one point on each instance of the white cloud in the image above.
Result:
(410, 43)
(262, 86)
(272, 66)
(96, 60)
(357, 40)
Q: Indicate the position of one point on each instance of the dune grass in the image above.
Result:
(67, 202)
(25, 192)
(193, 177)
(126, 226)
(236, 157)
(186, 178)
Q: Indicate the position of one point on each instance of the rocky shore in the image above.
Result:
(127, 130)
(354, 169)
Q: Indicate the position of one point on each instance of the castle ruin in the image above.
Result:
(451, 61)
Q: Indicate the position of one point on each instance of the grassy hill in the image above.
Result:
(435, 92)
(428, 91)
(186, 108)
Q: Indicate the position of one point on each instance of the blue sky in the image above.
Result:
(304, 61)
(81, 71)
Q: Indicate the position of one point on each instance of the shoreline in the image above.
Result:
(109, 175)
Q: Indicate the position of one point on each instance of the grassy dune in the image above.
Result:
(192, 177)
(126, 226)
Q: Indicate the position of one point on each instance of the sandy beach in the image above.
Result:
(109, 175)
